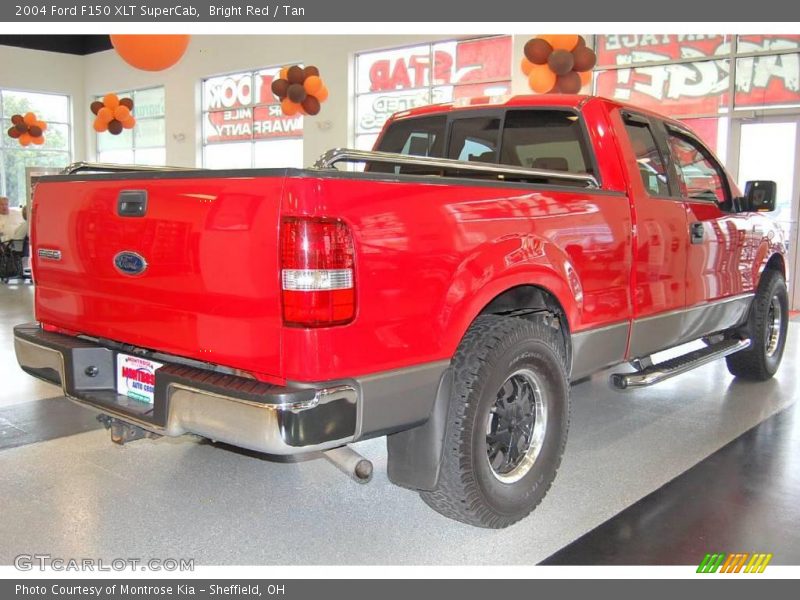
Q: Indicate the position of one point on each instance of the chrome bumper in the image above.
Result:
(227, 408)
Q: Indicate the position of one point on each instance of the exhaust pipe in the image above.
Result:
(351, 463)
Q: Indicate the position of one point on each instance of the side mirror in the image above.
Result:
(759, 196)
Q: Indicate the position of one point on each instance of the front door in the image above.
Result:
(769, 148)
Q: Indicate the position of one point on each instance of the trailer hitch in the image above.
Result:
(123, 432)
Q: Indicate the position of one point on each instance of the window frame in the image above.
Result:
(252, 72)
(655, 127)
(69, 151)
(680, 132)
(130, 94)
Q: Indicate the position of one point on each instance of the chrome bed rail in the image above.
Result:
(78, 167)
(337, 155)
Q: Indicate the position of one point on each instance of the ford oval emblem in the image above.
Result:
(130, 263)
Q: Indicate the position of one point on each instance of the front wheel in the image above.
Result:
(766, 327)
(507, 422)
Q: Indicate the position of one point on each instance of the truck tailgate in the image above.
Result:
(210, 288)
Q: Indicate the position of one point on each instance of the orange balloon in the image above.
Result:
(25, 139)
(99, 125)
(38, 140)
(322, 93)
(129, 123)
(121, 113)
(312, 84)
(586, 78)
(289, 108)
(111, 101)
(150, 52)
(42, 125)
(561, 41)
(105, 114)
(541, 79)
(284, 73)
(30, 119)
(526, 65)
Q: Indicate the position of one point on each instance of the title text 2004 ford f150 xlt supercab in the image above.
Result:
(488, 254)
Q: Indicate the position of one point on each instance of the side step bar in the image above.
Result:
(650, 374)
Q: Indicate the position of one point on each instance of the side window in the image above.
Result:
(474, 139)
(648, 158)
(701, 177)
(545, 139)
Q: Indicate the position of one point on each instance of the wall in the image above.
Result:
(214, 55)
(38, 71)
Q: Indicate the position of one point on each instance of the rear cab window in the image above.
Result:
(651, 164)
(546, 139)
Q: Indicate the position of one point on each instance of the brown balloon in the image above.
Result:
(35, 131)
(311, 105)
(296, 93)
(17, 119)
(295, 75)
(569, 83)
(22, 127)
(311, 70)
(581, 43)
(12, 132)
(585, 59)
(126, 102)
(96, 106)
(561, 62)
(114, 127)
(280, 88)
(537, 51)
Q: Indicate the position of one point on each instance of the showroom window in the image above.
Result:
(56, 152)
(145, 144)
(388, 81)
(701, 79)
(243, 125)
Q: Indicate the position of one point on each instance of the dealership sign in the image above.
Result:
(242, 107)
(390, 81)
(702, 85)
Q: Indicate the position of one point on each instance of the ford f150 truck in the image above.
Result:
(486, 255)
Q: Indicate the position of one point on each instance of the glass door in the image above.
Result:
(769, 148)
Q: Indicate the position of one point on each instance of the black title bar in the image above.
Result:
(473, 11)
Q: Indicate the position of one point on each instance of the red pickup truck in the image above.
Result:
(445, 295)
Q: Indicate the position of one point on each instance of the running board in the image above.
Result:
(656, 373)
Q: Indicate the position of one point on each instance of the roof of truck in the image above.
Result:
(566, 100)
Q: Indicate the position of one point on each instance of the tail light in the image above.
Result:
(317, 277)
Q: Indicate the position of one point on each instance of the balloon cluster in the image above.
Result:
(300, 90)
(558, 64)
(27, 129)
(113, 114)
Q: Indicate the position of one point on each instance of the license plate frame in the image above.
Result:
(135, 378)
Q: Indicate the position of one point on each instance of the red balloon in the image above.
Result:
(13, 132)
(17, 119)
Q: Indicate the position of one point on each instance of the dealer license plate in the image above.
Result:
(136, 377)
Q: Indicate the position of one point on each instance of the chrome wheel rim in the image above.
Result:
(774, 318)
(516, 426)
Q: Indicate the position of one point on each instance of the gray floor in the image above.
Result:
(81, 496)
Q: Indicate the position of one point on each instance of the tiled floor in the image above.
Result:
(82, 496)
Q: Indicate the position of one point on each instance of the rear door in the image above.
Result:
(660, 244)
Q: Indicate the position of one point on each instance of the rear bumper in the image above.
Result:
(223, 407)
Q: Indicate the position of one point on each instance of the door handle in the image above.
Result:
(696, 231)
(132, 203)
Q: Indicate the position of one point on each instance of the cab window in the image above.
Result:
(701, 178)
(422, 136)
(474, 139)
(651, 164)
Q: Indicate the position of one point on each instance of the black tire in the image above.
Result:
(761, 360)
(494, 348)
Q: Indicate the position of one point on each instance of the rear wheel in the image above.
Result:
(507, 422)
(766, 327)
